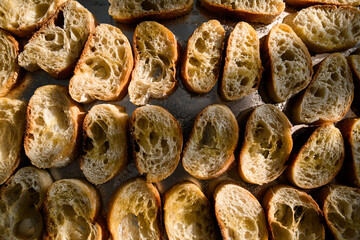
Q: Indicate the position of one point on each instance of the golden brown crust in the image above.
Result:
(307, 3)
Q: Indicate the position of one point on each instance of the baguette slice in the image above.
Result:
(158, 142)
(307, 3)
(292, 214)
(135, 212)
(354, 63)
(289, 63)
(72, 207)
(128, 11)
(104, 142)
(201, 61)
(187, 213)
(56, 47)
(104, 68)
(21, 201)
(156, 55)
(242, 70)
(341, 206)
(12, 127)
(319, 160)
(209, 151)
(267, 145)
(329, 95)
(9, 71)
(326, 28)
(53, 127)
(23, 17)
(239, 214)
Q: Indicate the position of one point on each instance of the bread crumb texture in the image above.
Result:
(302, 3)
(257, 6)
(355, 147)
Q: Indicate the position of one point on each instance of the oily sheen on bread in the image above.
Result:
(156, 55)
(158, 141)
(209, 151)
(53, 127)
(135, 211)
(239, 213)
(306, 3)
(56, 47)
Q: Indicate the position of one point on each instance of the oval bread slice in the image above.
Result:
(354, 63)
(306, 3)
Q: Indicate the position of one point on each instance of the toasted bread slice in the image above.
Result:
(262, 11)
(104, 68)
(209, 151)
(156, 55)
(288, 62)
(72, 207)
(307, 3)
(239, 213)
(158, 142)
(242, 69)
(187, 213)
(341, 206)
(292, 214)
(128, 11)
(354, 63)
(319, 160)
(329, 95)
(53, 127)
(135, 211)
(21, 201)
(105, 142)
(326, 28)
(22, 17)
(56, 47)
(12, 127)
(267, 145)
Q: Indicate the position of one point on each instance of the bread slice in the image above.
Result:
(104, 68)
(72, 207)
(53, 127)
(156, 55)
(292, 214)
(242, 69)
(209, 151)
(354, 63)
(262, 11)
(21, 201)
(329, 95)
(56, 47)
(105, 142)
(319, 160)
(187, 213)
(288, 62)
(267, 145)
(307, 3)
(341, 206)
(326, 28)
(128, 11)
(135, 212)
(158, 142)
(239, 213)
(12, 127)
(22, 17)
(202, 58)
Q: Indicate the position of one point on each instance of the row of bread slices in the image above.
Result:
(72, 211)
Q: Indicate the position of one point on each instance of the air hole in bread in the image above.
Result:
(13, 194)
(164, 59)
(129, 227)
(136, 145)
(200, 45)
(59, 20)
(157, 72)
(149, 6)
(49, 37)
(284, 215)
(41, 10)
(26, 228)
(75, 33)
(102, 70)
(245, 81)
(319, 92)
(88, 145)
(104, 148)
(209, 136)
(154, 138)
(193, 61)
(288, 55)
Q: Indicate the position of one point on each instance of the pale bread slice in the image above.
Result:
(307, 3)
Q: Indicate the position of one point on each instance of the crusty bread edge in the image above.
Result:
(308, 3)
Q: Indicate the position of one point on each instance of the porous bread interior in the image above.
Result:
(158, 141)
(187, 214)
(134, 212)
(291, 63)
(267, 145)
(345, 2)
(58, 44)
(343, 207)
(104, 68)
(293, 216)
(258, 6)
(12, 126)
(105, 146)
(239, 213)
(243, 65)
(214, 137)
(155, 63)
(354, 61)
(20, 204)
(330, 93)
(203, 57)
(355, 146)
